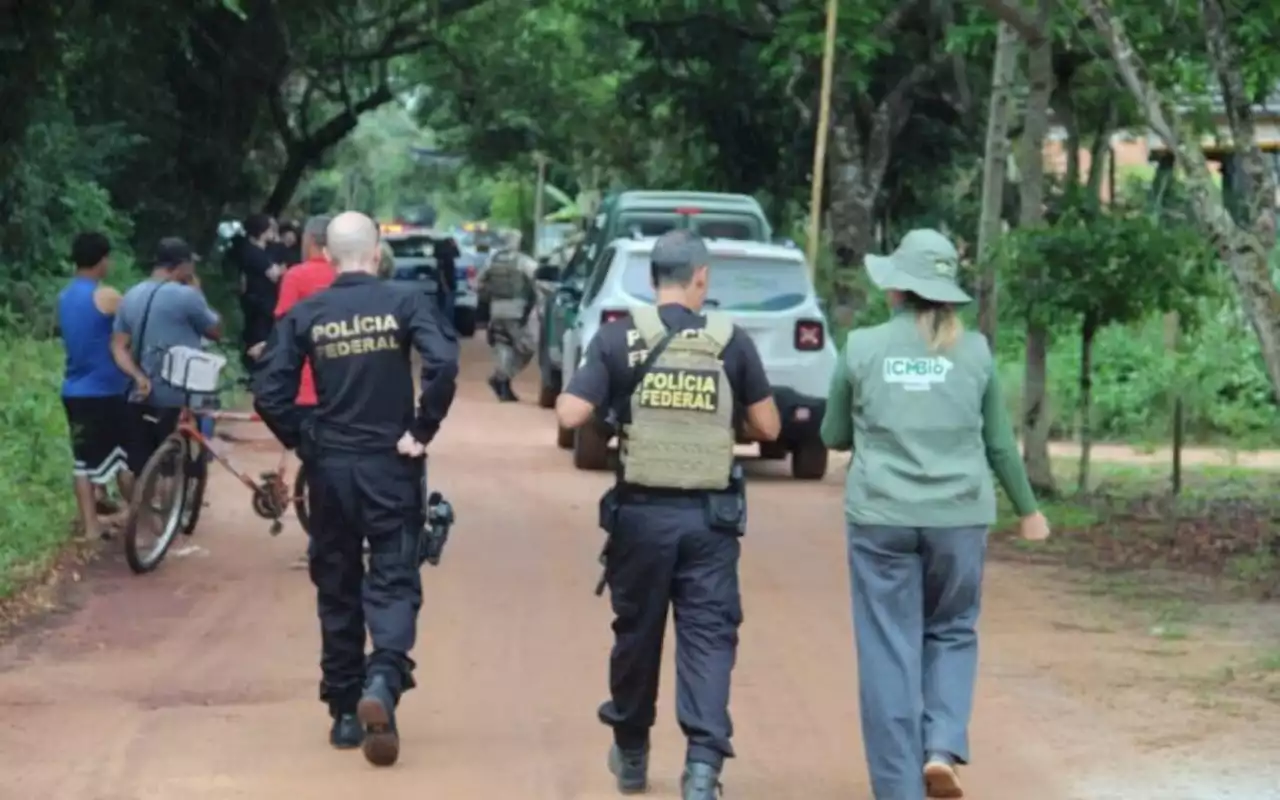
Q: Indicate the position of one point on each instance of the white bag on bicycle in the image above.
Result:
(192, 369)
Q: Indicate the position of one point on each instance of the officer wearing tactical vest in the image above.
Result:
(363, 447)
(675, 380)
(512, 297)
(917, 401)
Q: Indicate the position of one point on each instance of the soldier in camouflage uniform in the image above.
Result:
(675, 378)
(512, 297)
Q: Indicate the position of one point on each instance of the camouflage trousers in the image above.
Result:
(512, 345)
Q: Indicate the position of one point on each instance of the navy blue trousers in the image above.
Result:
(353, 499)
(663, 554)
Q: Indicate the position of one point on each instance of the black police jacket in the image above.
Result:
(357, 335)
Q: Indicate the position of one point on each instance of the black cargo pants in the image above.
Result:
(354, 498)
(663, 552)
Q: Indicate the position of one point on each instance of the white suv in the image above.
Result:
(765, 289)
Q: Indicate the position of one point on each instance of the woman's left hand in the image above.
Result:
(1034, 527)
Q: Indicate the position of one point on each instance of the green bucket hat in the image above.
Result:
(926, 264)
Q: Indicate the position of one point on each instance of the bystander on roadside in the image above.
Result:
(93, 387)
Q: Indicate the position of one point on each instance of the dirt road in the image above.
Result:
(200, 681)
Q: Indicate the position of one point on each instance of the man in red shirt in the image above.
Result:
(310, 277)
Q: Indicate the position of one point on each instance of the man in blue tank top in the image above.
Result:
(93, 387)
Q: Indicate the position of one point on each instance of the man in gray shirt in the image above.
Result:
(164, 311)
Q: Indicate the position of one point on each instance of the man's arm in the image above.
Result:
(588, 390)
(437, 345)
(530, 298)
(203, 319)
(122, 352)
(762, 421)
(107, 300)
(275, 382)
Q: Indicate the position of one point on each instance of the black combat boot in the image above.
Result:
(377, 713)
(700, 781)
(631, 768)
(508, 395)
(346, 733)
(496, 383)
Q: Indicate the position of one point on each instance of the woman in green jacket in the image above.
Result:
(916, 400)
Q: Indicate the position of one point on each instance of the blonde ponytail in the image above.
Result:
(939, 325)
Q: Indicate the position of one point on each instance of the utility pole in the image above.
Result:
(820, 148)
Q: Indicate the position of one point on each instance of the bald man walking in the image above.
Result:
(364, 446)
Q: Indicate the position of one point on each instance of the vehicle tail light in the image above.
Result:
(810, 335)
(612, 315)
(471, 276)
(689, 211)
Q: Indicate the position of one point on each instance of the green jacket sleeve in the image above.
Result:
(1002, 450)
(837, 422)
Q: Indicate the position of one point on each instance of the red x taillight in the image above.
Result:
(810, 335)
(611, 315)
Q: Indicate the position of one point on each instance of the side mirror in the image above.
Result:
(546, 272)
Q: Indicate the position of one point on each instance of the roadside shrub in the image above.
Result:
(37, 505)
(1226, 396)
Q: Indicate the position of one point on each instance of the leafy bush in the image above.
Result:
(1225, 393)
(37, 505)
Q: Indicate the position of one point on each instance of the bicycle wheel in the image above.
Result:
(302, 499)
(193, 494)
(155, 516)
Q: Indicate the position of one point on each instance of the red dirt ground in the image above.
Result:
(199, 681)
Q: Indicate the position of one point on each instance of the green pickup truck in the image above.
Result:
(633, 214)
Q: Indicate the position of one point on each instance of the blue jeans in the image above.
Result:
(916, 599)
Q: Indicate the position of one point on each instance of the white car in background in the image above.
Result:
(765, 289)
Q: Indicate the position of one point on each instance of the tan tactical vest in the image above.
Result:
(504, 283)
(681, 432)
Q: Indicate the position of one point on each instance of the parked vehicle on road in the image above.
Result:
(414, 252)
(765, 289)
(636, 214)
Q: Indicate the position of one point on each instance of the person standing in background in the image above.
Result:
(446, 253)
(93, 387)
(164, 311)
(302, 281)
(260, 277)
(287, 249)
(918, 402)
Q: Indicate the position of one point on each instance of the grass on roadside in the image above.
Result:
(37, 506)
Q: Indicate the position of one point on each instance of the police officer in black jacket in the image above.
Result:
(669, 544)
(363, 449)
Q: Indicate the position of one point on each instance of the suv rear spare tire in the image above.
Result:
(809, 461)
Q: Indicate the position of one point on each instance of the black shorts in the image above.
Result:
(148, 427)
(99, 436)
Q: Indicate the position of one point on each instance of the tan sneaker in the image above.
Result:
(941, 779)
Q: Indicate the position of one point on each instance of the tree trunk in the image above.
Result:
(306, 150)
(1035, 412)
(1088, 330)
(994, 161)
(853, 184)
(1245, 248)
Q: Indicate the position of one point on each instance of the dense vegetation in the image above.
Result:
(144, 124)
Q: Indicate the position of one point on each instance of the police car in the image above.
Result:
(414, 251)
(766, 291)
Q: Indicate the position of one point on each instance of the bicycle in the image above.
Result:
(179, 469)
